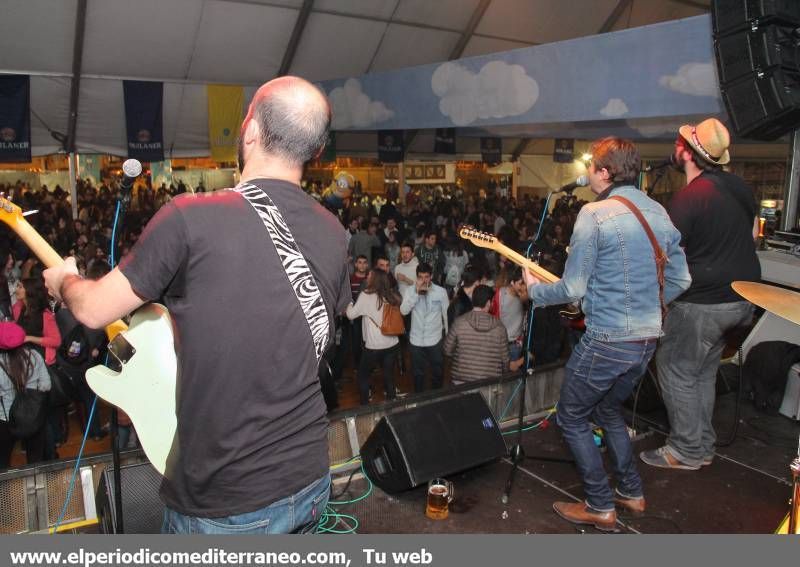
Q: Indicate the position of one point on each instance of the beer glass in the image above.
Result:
(440, 494)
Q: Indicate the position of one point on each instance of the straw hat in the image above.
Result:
(710, 139)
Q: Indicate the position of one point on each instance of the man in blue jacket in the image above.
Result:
(612, 270)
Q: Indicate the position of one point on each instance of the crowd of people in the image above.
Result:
(324, 288)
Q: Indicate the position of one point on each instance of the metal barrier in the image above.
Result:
(32, 498)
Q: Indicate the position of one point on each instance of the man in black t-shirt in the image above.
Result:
(251, 451)
(717, 216)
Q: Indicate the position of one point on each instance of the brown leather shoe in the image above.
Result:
(580, 513)
(635, 506)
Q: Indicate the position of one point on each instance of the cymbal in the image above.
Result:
(776, 300)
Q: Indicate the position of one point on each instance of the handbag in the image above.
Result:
(392, 324)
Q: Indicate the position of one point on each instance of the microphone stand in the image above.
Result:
(517, 452)
(124, 200)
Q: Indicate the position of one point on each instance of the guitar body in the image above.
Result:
(145, 387)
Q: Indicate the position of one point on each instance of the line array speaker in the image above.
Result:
(757, 48)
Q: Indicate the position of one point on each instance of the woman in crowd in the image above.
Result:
(380, 349)
(20, 368)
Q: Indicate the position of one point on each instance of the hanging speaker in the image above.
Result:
(410, 448)
(729, 16)
(142, 509)
(757, 49)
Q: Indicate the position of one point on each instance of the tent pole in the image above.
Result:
(789, 219)
(73, 186)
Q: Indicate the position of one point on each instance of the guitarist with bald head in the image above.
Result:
(253, 278)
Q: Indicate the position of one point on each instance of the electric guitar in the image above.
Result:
(486, 240)
(145, 387)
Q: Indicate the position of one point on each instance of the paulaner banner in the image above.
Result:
(15, 118)
(445, 141)
(225, 103)
(390, 146)
(143, 119)
(491, 150)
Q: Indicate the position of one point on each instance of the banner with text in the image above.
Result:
(491, 150)
(225, 103)
(445, 141)
(564, 150)
(390, 146)
(144, 120)
(15, 118)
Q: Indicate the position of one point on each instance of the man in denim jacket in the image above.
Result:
(611, 269)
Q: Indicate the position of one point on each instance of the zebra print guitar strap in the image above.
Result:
(294, 264)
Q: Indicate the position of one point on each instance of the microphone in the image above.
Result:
(661, 165)
(582, 181)
(131, 169)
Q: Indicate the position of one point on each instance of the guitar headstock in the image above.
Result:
(478, 238)
(9, 212)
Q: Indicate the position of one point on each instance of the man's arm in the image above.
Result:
(676, 272)
(756, 228)
(95, 303)
(580, 265)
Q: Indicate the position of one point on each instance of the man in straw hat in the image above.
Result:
(716, 214)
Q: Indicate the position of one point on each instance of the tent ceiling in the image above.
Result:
(188, 43)
(244, 41)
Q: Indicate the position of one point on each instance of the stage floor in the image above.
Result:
(745, 490)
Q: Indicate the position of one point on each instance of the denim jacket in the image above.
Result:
(611, 269)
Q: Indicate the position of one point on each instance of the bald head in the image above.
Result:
(293, 117)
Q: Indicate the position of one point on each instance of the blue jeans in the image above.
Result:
(599, 376)
(421, 357)
(687, 361)
(299, 513)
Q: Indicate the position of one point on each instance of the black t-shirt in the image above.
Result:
(251, 419)
(715, 214)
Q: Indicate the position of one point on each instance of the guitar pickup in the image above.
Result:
(121, 349)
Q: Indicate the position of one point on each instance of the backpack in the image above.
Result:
(75, 350)
(27, 414)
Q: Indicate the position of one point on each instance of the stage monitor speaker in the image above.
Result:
(142, 509)
(410, 448)
(728, 16)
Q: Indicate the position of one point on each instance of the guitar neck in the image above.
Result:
(37, 244)
(51, 258)
(526, 263)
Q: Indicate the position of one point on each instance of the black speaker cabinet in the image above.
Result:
(757, 45)
(729, 16)
(142, 509)
(410, 448)
(764, 106)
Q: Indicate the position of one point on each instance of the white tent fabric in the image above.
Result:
(189, 43)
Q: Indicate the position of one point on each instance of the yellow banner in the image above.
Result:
(225, 104)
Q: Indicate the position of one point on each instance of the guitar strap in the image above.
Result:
(660, 256)
(294, 265)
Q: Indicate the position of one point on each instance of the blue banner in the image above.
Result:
(391, 146)
(143, 119)
(491, 150)
(15, 118)
(445, 141)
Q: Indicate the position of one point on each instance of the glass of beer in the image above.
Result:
(440, 494)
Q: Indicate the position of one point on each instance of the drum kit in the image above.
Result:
(785, 304)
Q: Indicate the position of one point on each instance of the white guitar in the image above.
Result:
(145, 387)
